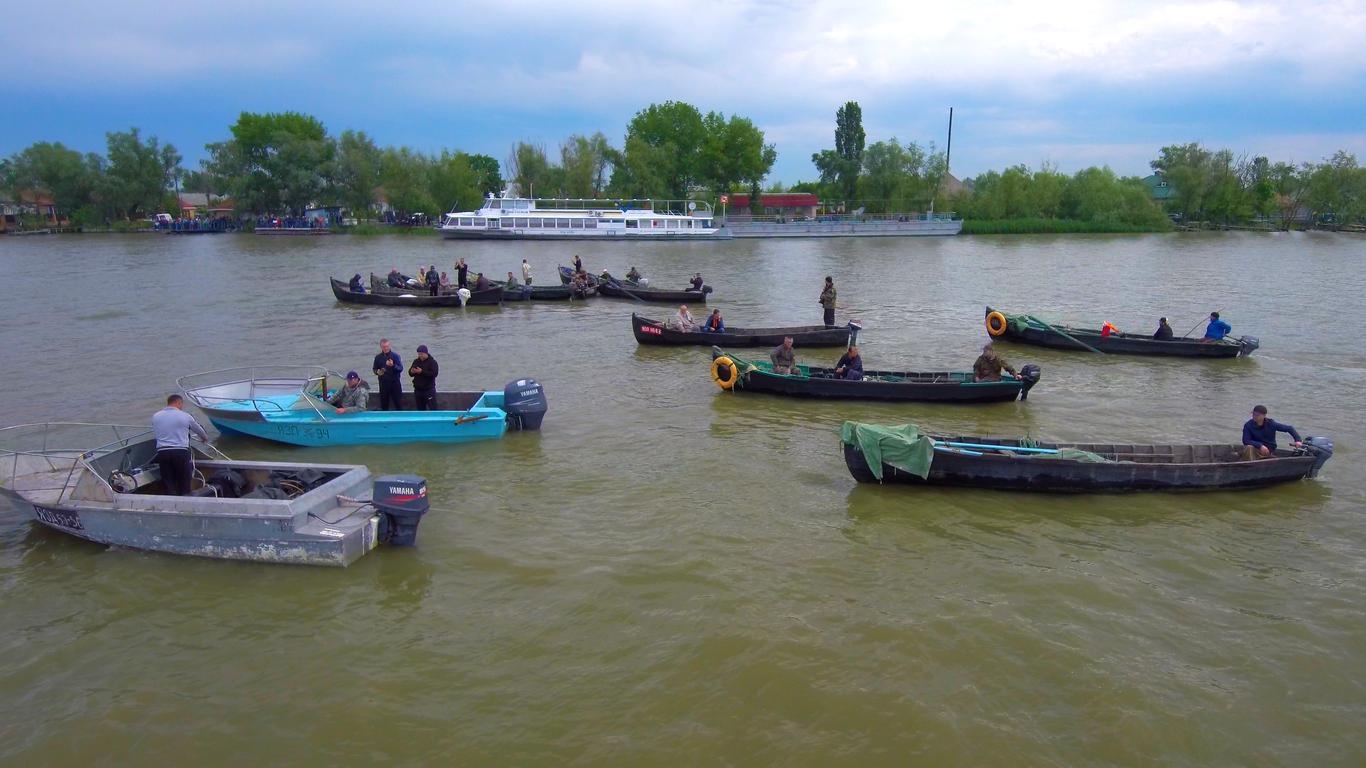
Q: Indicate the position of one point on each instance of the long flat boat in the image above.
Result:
(287, 404)
(509, 217)
(486, 297)
(876, 454)
(649, 331)
(519, 292)
(625, 289)
(102, 483)
(739, 374)
(1028, 329)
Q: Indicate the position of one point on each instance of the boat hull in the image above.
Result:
(1016, 473)
(1120, 344)
(917, 228)
(617, 290)
(582, 234)
(390, 297)
(649, 331)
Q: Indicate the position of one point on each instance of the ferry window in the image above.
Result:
(632, 224)
(466, 221)
(478, 222)
(590, 224)
(576, 223)
(535, 223)
(562, 224)
(521, 222)
(688, 225)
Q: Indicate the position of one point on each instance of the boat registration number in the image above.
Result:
(294, 430)
(59, 518)
(651, 329)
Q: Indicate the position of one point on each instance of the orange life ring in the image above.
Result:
(724, 372)
(997, 324)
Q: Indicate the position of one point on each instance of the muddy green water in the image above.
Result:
(668, 575)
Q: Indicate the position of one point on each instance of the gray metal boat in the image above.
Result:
(101, 482)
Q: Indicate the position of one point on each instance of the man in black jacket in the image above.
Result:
(423, 371)
(388, 368)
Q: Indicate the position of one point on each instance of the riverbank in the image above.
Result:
(1055, 227)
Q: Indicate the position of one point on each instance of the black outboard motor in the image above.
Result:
(1247, 345)
(401, 501)
(1030, 375)
(525, 404)
(1322, 450)
(854, 327)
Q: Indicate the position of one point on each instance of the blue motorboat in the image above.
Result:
(289, 405)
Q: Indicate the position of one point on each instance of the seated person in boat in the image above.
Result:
(850, 365)
(481, 283)
(396, 279)
(683, 321)
(580, 280)
(784, 358)
(989, 365)
(355, 285)
(445, 283)
(696, 282)
(353, 397)
(1217, 329)
(634, 275)
(511, 285)
(714, 323)
(1164, 331)
(1259, 435)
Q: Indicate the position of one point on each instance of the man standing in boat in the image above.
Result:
(388, 369)
(1259, 435)
(462, 271)
(828, 301)
(989, 365)
(526, 273)
(172, 427)
(424, 372)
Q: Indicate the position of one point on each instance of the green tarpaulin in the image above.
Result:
(903, 447)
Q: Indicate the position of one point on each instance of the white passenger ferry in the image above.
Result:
(519, 218)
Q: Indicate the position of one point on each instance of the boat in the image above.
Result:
(649, 331)
(488, 296)
(625, 289)
(509, 217)
(521, 292)
(734, 373)
(286, 404)
(903, 454)
(102, 483)
(1028, 329)
(392, 297)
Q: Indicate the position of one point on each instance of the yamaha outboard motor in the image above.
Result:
(524, 403)
(401, 501)
(1247, 344)
(1030, 375)
(1322, 450)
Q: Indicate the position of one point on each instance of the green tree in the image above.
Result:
(453, 183)
(533, 172)
(138, 173)
(404, 175)
(274, 161)
(733, 151)
(485, 168)
(1188, 170)
(843, 165)
(662, 150)
(357, 171)
(65, 174)
(585, 160)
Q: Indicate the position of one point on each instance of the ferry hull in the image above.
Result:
(847, 229)
(581, 234)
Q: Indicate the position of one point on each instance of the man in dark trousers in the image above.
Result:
(172, 427)
(433, 280)
(388, 369)
(462, 272)
(828, 301)
(423, 371)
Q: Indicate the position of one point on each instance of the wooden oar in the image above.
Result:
(1197, 325)
(1062, 333)
(615, 283)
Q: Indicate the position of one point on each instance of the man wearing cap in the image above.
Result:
(1259, 435)
(172, 427)
(388, 368)
(353, 397)
(423, 371)
(988, 365)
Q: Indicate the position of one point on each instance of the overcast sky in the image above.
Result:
(1068, 83)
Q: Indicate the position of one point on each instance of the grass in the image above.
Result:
(368, 229)
(1054, 226)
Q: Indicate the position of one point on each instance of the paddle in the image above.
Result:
(615, 283)
(1060, 332)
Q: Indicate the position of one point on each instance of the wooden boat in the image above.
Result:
(1028, 329)
(625, 289)
(739, 374)
(490, 295)
(104, 485)
(287, 404)
(649, 331)
(567, 279)
(381, 295)
(521, 292)
(1015, 465)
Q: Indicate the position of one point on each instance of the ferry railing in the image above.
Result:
(305, 376)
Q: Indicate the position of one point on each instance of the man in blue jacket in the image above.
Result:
(1259, 434)
(1217, 329)
(388, 368)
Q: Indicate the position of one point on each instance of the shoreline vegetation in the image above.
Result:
(283, 164)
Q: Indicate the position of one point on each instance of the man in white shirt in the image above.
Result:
(172, 427)
(526, 272)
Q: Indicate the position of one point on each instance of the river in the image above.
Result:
(671, 575)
